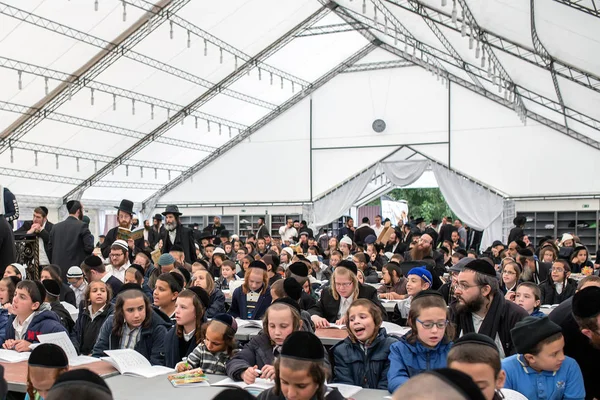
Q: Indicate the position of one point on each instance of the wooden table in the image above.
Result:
(331, 336)
(16, 373)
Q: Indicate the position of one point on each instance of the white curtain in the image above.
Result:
(473, 204)
(101, 217)
(339, 201)
(403, 173)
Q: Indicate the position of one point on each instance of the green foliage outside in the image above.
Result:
(426, 202)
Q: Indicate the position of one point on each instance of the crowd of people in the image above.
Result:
(476, 323)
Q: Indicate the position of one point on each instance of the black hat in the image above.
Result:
(93, 261)
(176, 247)
(138, 268)
(426, 293)
(202, 295)
(41, 289)
(292, 288)
(158, 217)
(258, 264)
(586, 302)
(528, 332)
(130, 286)
(227, 320)
(48, 355)
(475, 338)
(289, 302)
(234, 394)
(52, 287)
(348, 265)
(171, 209)
(497, 243)
(482, 267)
(460, 381)
(303, 345)
(299, 268)
(525, 252)
(185, 272)
(519, 220)
(206, 235)
(444, 250)
(520, 243)
(73, 206)
(126, 206)
(419, 220)
(224, 233)
(44, 209)
(81, 377)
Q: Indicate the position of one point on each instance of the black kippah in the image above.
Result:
(130, 286)
(179, 279)
(138, 268)
(258, 264)
(177, 248)
(425, 293)
(227, 320)
(48, 355)
(15, 279)
(475, 338)
(299, 268)
(234, 394)
(186, 273)
(81, 377)
(482, 267)
(303, 345)
(93, 261)
(202, 295)
(459, 381)
(292, 288)
(348, 265)
(289, 302)
(42, 290)
(52, 287)
(586, 302)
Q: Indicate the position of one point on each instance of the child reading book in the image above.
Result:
(96, 308)
(362, 358)
(46, 362)
(218, 346)
(427, 345)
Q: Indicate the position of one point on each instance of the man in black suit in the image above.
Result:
(533, 270)
(446, 230)
(156, 231)
(124, 218)
(40, 227)
(363, 231)
(70, 240)
(177, 234)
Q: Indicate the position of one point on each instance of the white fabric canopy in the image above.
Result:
(404, 173)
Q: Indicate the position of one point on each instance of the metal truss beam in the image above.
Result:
(578, 5)
(18, 173)
(263, 121)
(42, 148)
(110, 53)
(420, 48)
(222, 45)
(47, 74)
(330, 29)
(373, 66)
(511, 47)
(212, 92)
(85, 123)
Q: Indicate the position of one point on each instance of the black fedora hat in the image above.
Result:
(126, 206)
(158, 217)
(206, 235)
(172, 209)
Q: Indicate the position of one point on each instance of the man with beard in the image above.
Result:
(579, 318)
(124, 219)
(215, 228)
(177, 234)
(432, 230)
(70, 240)
(119, 259)
(533, 270)
(157, 231)
(147, 228)
(481, 307)
(514, 247)
(347, 230)
(262, 229)
(424, 250)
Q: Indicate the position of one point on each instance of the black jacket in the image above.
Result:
(44, 234)
(306, 301)
(67, 294)
(579, 347)
(361, 233)
(65, 317)
(345, 231)
(550, 295)
(543, 272)
(85, 333)
(185, 238)
(515, 233)
(446, 233)
(172, 351)
(262, 232)
(111, 236)
(154, 236)
(327, 307)
(70, 243)
(7, 245)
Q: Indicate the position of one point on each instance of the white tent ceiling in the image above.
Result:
(194, 102)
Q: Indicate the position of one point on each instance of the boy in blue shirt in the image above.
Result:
(541, 370)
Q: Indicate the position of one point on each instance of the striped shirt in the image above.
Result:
(130, 337)
(209, 363)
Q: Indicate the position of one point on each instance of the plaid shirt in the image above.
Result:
(209, 362)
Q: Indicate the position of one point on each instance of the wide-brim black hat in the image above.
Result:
(158, 217)
(206, 235)
(126, 206)
(172, 209)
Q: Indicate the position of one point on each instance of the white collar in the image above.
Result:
(188, 336)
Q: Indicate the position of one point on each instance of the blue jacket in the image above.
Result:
(151, 343)
(172, 352)
(238, 304)
(217, 303)
(355, 365)
(45, 321)
(3, 323)
(408, 360)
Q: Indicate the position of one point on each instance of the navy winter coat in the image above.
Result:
(217, 304)
(367, 367)
(239, 306)
(151, 343)
(408, 360)
(172, 352)
(45, 321)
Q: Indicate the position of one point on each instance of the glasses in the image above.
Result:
(430, 324)
(465, 286)
(116, 255)
(343, 284)
(557, 269)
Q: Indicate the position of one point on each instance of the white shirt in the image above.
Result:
(146, 231)
(106, 276)
(345, 303)
(477, 321)
(118, 273)
(377, 230)
(287, 233)
(172, 235)
(94, 315)
(20, 329)
(559, 287)
(79, 292)
(188, 336)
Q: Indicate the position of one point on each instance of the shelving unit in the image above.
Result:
(229, 221)
(190, 220)
(277, 221)
(248, 224)
(583, 224)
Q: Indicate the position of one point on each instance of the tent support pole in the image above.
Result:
(449, 126)
(311, 147)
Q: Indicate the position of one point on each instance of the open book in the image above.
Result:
(130, 362)
(191, 378)
(62, 340)
(261, 384)
(249, 323)
(13, 356)
(126, 234)
(393, 329)
(334, 326)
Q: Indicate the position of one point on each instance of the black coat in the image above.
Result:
(70, 243)
(446, 233)
(172, 349)
(579, 347)
(327, 307)
(7, 245)
(85, 333)
(345, 231)
(154, 236)
(543, 271)
(44, 234)
(361, 233)
(515, 233)
(262, 232)
(67, 294)
(111, 236)
(185, 238)
(65, 317)
(549, 295)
